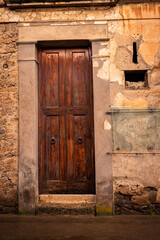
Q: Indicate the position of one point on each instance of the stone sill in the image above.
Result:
(132, 110)
(61, 3)
(67, 198)
(134, 152)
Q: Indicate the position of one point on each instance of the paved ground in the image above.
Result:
(79, 228)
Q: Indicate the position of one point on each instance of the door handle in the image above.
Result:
(80, 140)
(53, 141)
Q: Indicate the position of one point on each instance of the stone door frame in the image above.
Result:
(28, 111)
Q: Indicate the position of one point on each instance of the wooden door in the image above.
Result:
(66, 161)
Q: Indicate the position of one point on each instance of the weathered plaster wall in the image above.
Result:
(135, 159)
(136, 178)
(121, 47)
(8, 118)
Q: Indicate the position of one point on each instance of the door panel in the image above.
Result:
(79, 83)
(66, 161)
(52, 76)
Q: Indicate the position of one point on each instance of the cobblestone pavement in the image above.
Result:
(79, 227)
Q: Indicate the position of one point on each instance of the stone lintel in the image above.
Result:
(56, 33)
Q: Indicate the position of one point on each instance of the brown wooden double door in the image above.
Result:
(66, 152)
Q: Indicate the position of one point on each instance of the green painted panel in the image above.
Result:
(136, 129)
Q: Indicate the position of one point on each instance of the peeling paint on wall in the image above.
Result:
(116, 75)
(107, 125)
(95, 64)
(103, 52)
(148, 50)
(100, 22)
(121, 100)
(103, 72)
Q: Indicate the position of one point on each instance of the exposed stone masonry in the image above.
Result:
(9, 118)
(136, 200)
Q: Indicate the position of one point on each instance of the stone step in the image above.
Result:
(66, 204)
(66, 209)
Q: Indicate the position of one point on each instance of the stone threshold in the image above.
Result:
(67, 198)
(66, 204)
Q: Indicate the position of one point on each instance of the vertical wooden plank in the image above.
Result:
(68, 80)
(61, 78)
(47, 152)
(41, 121)
(70, 153)
(62, 71)
(89, 119)
(87, 75)
(40, 152)
(63, 163)
(43, 79)
(53, 142)
(43, 96)
(80, 147)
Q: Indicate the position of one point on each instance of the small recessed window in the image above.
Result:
(136, 79)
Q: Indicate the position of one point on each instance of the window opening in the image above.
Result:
(136, 79)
